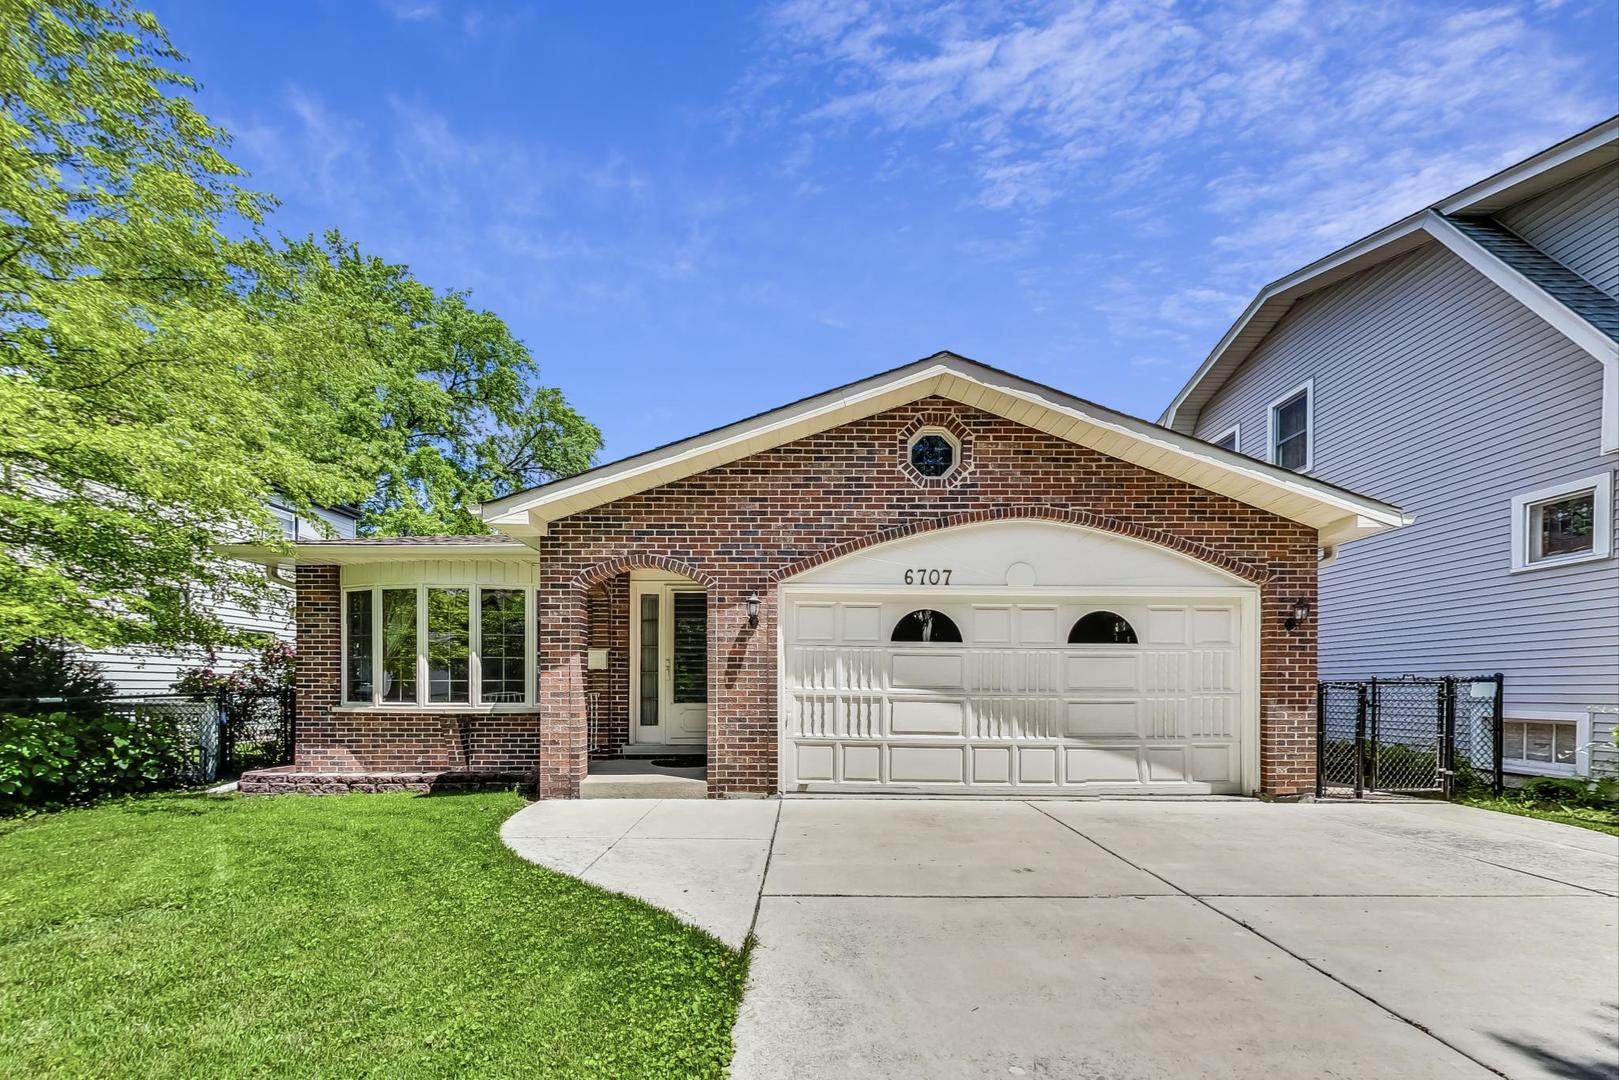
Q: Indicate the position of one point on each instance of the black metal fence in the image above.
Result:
(1409, 736)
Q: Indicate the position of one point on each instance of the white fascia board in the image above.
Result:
(1588, 150)
(1601, 347)
(356, 554)
(526, 515)
(1283, 291)
(1141, 431)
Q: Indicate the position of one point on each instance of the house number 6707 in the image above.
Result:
(927, 576)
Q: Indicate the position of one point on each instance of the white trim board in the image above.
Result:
(1338, 514)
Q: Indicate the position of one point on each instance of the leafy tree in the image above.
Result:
(431, 396)
(164, 370)
(138, 407)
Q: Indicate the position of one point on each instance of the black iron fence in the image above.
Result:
(1409, 736)
(221, 734)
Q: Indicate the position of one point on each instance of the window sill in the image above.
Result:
(1536, 768)
(1565, 560)
(471, 710)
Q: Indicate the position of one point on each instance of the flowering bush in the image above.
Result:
(274, 668)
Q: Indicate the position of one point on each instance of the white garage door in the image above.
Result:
(989, 673)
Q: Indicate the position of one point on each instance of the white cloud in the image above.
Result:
(1305, 125)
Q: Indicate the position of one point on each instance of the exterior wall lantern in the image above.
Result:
(753, 608)
(1301, 611)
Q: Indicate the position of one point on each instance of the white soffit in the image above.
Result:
(1336, 512)
(357, 554)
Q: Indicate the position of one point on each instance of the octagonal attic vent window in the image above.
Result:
(934, 453)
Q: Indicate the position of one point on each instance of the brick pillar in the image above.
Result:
(1287, 681)
(742, 721)
(563, 636)
(317, 618)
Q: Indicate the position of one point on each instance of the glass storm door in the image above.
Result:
(669, 690)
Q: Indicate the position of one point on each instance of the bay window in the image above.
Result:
(429, 645)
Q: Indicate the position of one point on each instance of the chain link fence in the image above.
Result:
(220, 735)
(1409, 736)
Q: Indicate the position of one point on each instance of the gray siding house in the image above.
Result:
(1462, 363)
(150, 671)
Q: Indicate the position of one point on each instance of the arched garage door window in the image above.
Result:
(926, 625)
(1102, 628)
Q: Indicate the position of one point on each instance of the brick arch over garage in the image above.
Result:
(1133, 530)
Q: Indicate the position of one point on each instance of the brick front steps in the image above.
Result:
(290, 780)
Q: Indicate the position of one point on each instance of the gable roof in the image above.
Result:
(1581, 312)
(1338, 514)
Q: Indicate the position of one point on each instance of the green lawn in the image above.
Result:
(385, 935)
(1601, 819)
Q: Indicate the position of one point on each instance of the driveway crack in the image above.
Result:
(1273, 943)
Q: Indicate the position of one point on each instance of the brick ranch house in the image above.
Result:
(943, 578)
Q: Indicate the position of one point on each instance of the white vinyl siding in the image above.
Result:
(1578, 225)
(1448, 399)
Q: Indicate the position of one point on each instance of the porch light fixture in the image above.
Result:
(753, 608)
(1301, 611)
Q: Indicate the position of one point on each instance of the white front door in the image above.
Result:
(669, 669)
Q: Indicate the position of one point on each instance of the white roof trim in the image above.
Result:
(1299, 498)
(1586, 151)
(340, 554)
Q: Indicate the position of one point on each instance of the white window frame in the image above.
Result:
(474, 645)
(1601, 487)
(1579, 721)
(1234, 433)
(1307, 388)
(947, 436)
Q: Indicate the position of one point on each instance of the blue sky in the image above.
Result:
(692, 212)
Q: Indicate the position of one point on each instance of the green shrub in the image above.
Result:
(1570, 791)
(60, 758)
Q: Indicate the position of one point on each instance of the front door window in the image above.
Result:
(648, 681)
(690, 648)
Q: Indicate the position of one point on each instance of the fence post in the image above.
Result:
(222, 741)
(1447, 737)
(1320, 738)
(1360, 740)
(1495, 734)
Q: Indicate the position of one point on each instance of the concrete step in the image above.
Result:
(642, 785)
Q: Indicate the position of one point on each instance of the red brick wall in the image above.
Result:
(330, 738)
(741, 527)
(609, 612)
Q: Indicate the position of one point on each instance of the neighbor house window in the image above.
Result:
(436, 646)
(1229, 440)
(1570, 523)
(1291, 418)
(1539, 746)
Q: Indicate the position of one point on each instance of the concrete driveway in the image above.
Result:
(953, 938)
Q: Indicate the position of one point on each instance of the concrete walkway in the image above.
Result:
(955, 938)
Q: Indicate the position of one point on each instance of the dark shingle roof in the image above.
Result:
(1562, 284)
(419, 541)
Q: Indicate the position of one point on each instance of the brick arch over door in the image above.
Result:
(1059, 515)
(640, 560)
